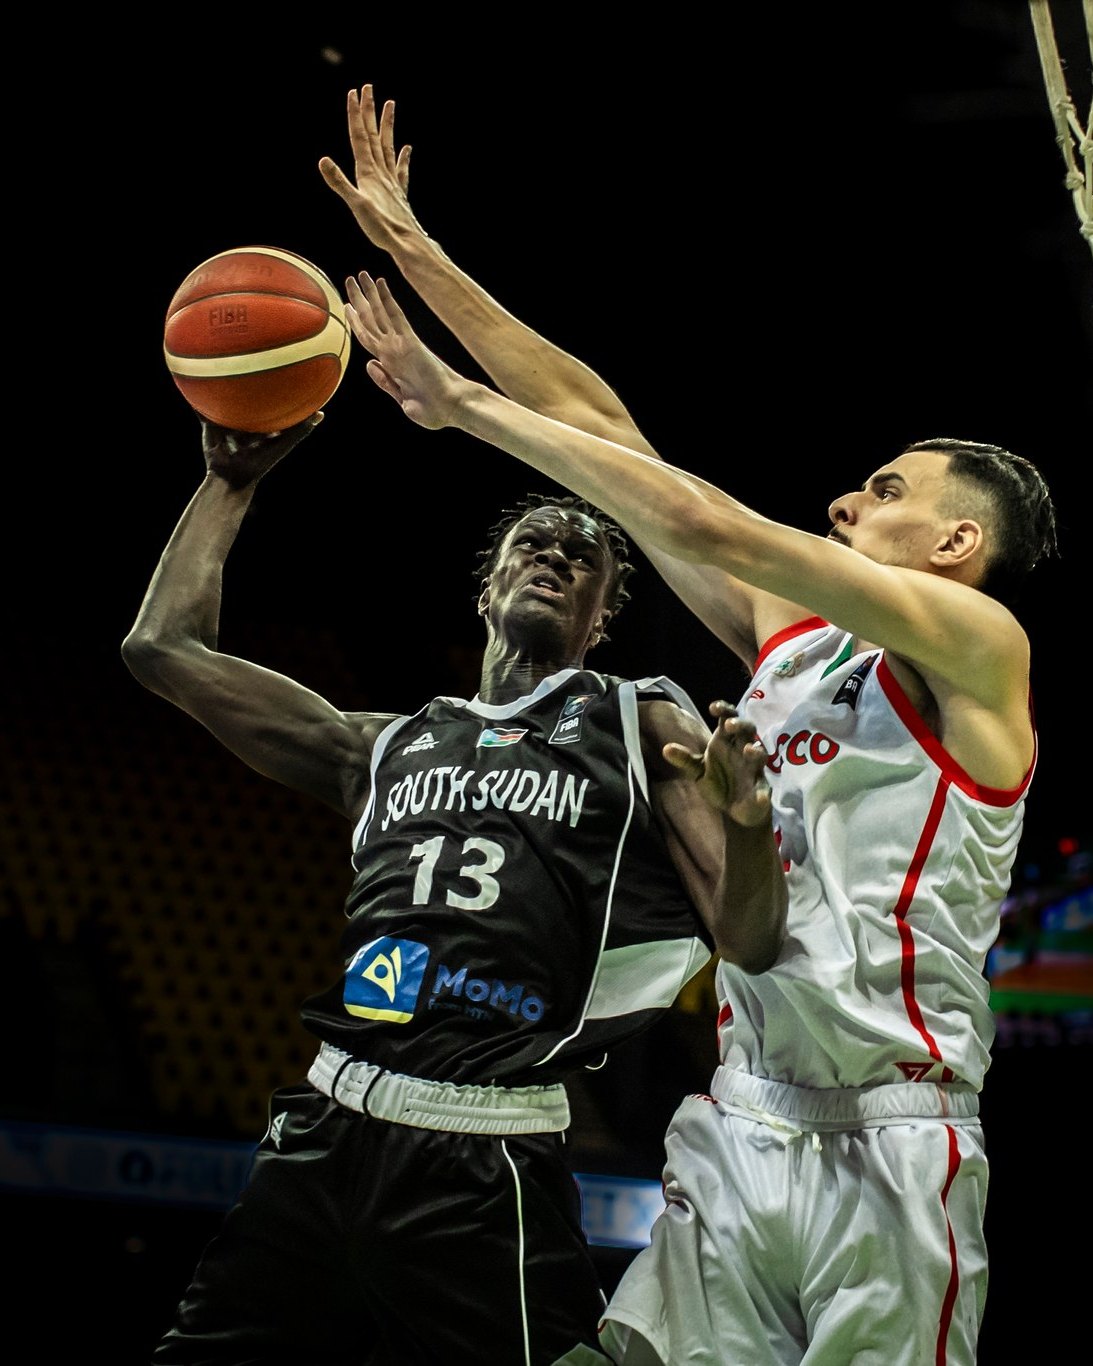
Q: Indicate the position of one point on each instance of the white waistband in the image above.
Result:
(371, 1090)
(850, 1107)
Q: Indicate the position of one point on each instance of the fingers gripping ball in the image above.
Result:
(255, 338)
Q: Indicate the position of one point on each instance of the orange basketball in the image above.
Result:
(256, 339)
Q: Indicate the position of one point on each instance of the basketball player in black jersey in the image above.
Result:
(538, 870)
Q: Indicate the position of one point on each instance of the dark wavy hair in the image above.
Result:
(1014, 503)
(621, 568)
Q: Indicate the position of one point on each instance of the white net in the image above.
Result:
(1071, 134)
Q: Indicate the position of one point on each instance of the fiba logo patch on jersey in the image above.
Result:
(568, 729)
(383, 980)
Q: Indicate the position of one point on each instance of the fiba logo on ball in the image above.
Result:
(255, 338)
(229, 315)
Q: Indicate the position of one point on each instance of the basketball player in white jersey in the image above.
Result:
(825, 1201)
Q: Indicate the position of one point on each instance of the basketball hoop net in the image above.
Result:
(1074, 140)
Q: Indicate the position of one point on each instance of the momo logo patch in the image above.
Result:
(383, 980)
(493, 739)
(482, 997)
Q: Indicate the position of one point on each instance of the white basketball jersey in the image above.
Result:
(897, 865)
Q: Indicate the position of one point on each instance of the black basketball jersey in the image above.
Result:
(515, 910)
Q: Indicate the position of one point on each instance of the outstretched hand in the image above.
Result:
(378, 198)
(242, 458)
(731, 772)
(421, 384)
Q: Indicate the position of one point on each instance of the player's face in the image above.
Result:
(894, 517)
(550, 580)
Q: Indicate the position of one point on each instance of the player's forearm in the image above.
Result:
(655, 502)
(181, 608)
(665, 508)
(521, 363)
(750, 921)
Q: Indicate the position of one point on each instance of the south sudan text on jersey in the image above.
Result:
(556, 796)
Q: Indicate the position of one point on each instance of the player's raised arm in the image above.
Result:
(959, 638)
(278, 727)
(520, 361)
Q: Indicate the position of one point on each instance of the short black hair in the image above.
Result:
(617, 543)
(1019, 505)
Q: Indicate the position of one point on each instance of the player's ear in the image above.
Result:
(599, 630)
(962, 542)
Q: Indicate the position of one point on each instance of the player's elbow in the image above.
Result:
(751, 959)
(137, 651)
(680, 517)
(149, 658)
(754, 943)
(695, 528)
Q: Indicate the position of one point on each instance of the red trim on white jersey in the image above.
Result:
(780, 637)
(905, 708)
(907, 969)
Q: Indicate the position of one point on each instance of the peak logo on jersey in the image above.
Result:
(568, 729)
(848, 692)
(383, 979)
(425, 741)
(790, 666)
(275, 1129)
(492, 739)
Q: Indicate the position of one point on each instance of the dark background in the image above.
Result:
(791, 249)
(793, 241)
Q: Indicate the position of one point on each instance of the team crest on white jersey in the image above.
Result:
(790, 666)
(425, 741)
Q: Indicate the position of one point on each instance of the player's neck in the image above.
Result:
(506, 678)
